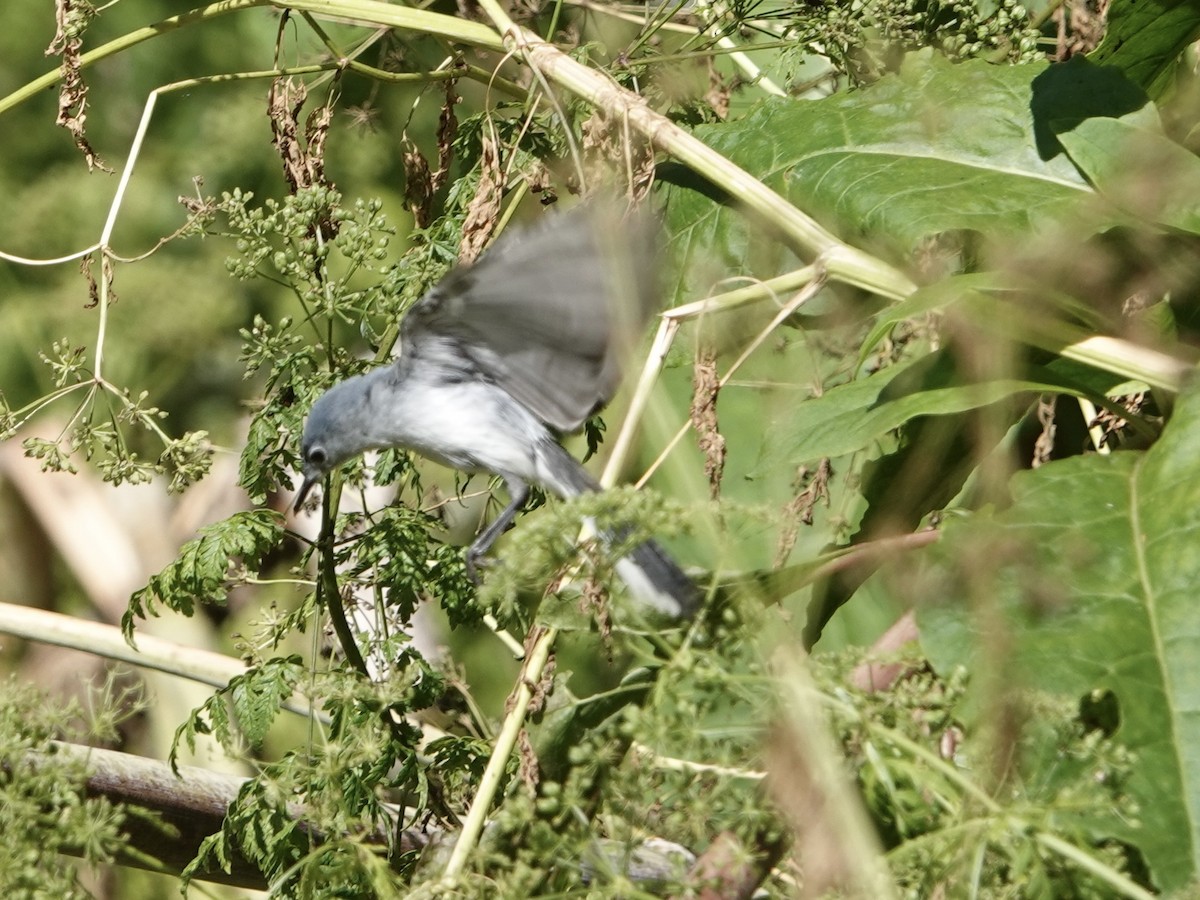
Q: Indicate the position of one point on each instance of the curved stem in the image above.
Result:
(368, 12)
(327, 586)
(373, 12)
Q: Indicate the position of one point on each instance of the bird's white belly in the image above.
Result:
(472, 426)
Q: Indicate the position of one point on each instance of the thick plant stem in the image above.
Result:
(841, 261)
(327, 584)
(374, 12)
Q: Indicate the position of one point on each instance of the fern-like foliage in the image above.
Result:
(207, 566)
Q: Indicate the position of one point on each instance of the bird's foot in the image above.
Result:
(476, 560)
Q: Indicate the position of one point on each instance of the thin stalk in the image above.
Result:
(1122, 357)
(655, 360)
(374, 12)
(733, 300)
(1084, 860)
(542, 641)
(690, 55)
(506, 742)
(711, 14)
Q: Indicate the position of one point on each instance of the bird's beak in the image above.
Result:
(309, 481)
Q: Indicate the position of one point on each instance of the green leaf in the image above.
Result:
(567, 720)
(853, 416)
(935, 148)
(1088, 584)
(400, 554)
(201, 571)
(1166, 178)
(259, 826)
(258, 695)
(266, 460)
(929, 299)
(1146, 39)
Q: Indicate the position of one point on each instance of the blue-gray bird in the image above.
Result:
(500, 358)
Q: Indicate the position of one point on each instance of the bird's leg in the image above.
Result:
(518, 493)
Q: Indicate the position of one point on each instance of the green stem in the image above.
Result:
(126, 41)
(1015, 825)
(506, 742)
(327, 581)
(366, 12)
(650, 61)
(375, 13)
(1089, 863)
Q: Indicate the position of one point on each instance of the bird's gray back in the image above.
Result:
(547, 313)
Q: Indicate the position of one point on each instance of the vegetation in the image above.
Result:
(917, 416)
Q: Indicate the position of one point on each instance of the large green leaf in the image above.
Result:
(853, 416)
(935, 148)
(1165, 178)
(1146, 39)
(1089, 582)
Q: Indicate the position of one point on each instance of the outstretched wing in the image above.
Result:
(546, 313)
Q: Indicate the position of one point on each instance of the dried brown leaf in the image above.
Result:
(718, 93)
(1080, 27)
(545, 685)
(106, 272)
(529, 771)
(1043, 447)
(813, 488)
(71, 17)
(532, 637)
(642, 169)
(284, 102)
(593, 601)
(303, 161)
(1113, 424)
(316, 133)
(484, 209)
(447, 131)
(85, 269)
(418, 183)
(705, 388)
(539, 180)
(597, 135)
(609, 148)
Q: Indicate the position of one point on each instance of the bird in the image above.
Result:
(503, 357)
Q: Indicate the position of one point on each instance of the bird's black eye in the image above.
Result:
(316, 456)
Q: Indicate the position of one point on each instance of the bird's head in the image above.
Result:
(334, 432)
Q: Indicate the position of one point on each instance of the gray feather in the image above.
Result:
(546, 313)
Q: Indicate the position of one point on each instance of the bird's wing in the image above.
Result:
(545, 313)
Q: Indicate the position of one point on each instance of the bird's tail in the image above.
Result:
(652, 576)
